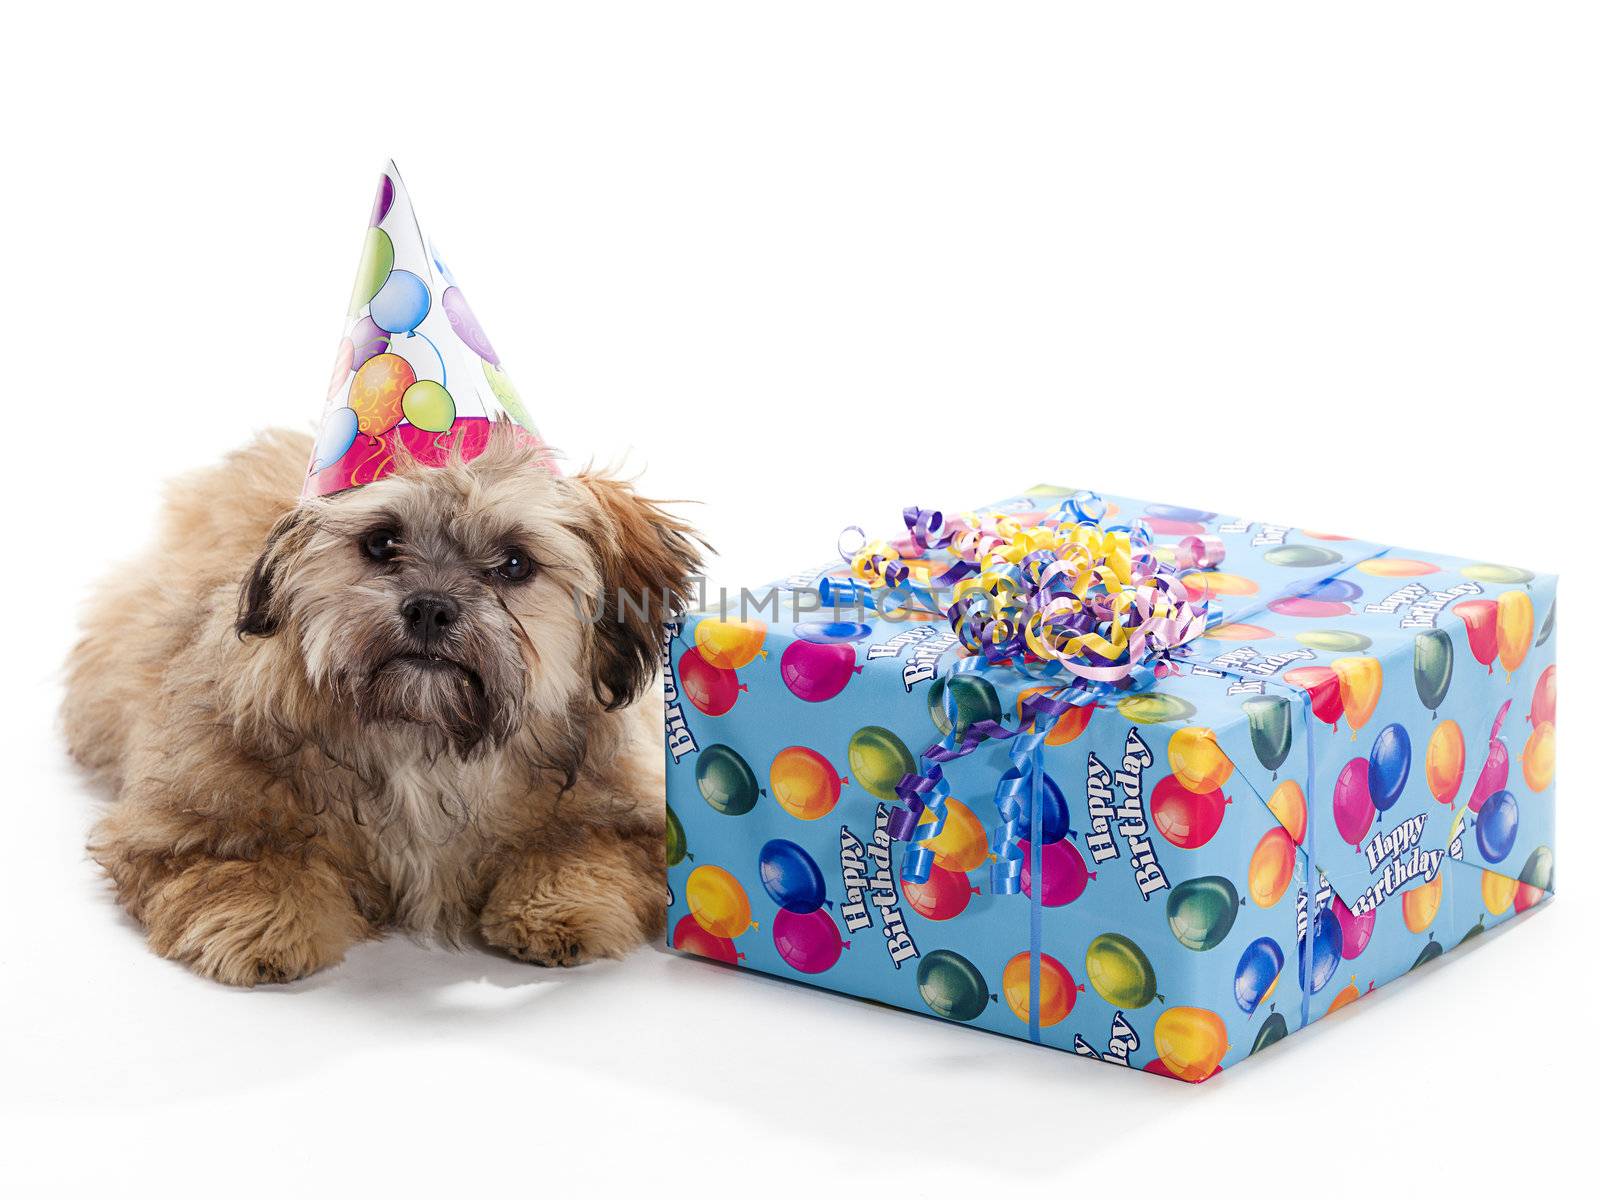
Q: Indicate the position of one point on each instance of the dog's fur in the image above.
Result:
(290, 778)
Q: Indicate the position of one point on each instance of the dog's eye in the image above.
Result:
(517, 566)
(380, 545)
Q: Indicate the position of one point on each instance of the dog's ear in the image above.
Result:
(648, 562)
(260, 612)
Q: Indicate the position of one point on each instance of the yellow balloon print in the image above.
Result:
(1191, 1042)
(717, 902)
(1197, 760)
(1539, 756)
(961, 845)
(1360, 685)
(1420, 905)
(1498, 892)
(730, 645)
(1513, 629)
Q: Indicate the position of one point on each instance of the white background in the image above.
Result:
(1331, 265)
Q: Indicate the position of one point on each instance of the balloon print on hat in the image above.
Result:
(688, 935)
(466, 325)
(945, 894)
(1201, 911)
(879, 760)
(791, 877)
(1066, 875)
(1420, 905)
(1288, 804)
(1537, 874)
(1257, 973)
(1388, 766)
(1191, 1042)
(973, 698)
(815, 671)
(1119, 972)
(1514, 629)
(1446, 761)
(1196, 759)
(1480, 617)
(713, 690)
(343, 364)
(1353, 810)
(730, 645)
(1360, 685)
(1355, 931)
(1433, 661)
(809, 941)
(377, 260)
(1322, 685)
(506, 392)
(1057, 990)
(718, 902)
(1271, 733)
(1497, 826)
(401, 303)
(366, 342)
(376, 393)
(427, 405)
(951, 986)
(726, 781)
(804, 783)
(1187, 819)
(338, 434)
(1271, 867)
(1327, 948)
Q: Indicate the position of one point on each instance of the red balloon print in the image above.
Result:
(1481, 618)
(1544, 698)
(1327, 702)
(690, 936)
(944, 895)
(1186, 819)
(713, 690)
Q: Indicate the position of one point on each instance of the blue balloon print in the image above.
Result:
(1335, 591)
(831, 631)
(1259, 967)
(1173, 512)
(791, 877)
(401, 303)
(1053, 810)
(1497, 826)
(1327, 944)
(1388, 766)
(338, 435)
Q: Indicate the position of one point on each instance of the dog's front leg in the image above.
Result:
(598, 895)
(223, 891)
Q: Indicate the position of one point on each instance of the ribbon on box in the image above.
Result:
(1089, 609)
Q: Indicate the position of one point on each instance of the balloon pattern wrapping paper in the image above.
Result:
(1350, 774)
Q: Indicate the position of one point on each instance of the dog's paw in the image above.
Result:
(561, 933)
(548, 946)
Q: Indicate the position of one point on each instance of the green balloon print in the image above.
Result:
(1301, 556)
(677, 844)
(1429, 952)
(377, 260)
(1475, 931)
(1275, 1030)
(879, 760)
(1201, 911)
(1154, 708)
(1336, 641)
(726, 780)
(1497, 573)
(975, 700)
(1271, 729)
(1540, 869)
(951, 986)
(1433, 660)
(1549, 625)
(1119, 972)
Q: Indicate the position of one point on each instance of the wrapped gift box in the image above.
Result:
(1348, 776)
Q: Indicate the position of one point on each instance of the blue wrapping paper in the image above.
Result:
(1349, 775)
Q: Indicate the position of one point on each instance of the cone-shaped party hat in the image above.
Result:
(415, 374)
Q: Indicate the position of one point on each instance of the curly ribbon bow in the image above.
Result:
(1089, 606)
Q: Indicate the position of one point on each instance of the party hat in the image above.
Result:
(415, 375)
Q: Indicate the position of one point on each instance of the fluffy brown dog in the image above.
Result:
(390, 707)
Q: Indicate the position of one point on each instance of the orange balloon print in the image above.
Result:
(1191, 1042)
(1073, 722)
(1447, 760)
(1539, 757)
(1395, 568)
(1514, 629)
(1420, 905)
(1057, 991)
(1288, 804)
(1271, 867)
(376, 391)
(1360, 685)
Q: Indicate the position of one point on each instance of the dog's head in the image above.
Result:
(473, 599)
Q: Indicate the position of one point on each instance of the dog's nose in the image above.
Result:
(428, 615)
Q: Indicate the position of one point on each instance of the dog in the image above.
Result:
(425, 704)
